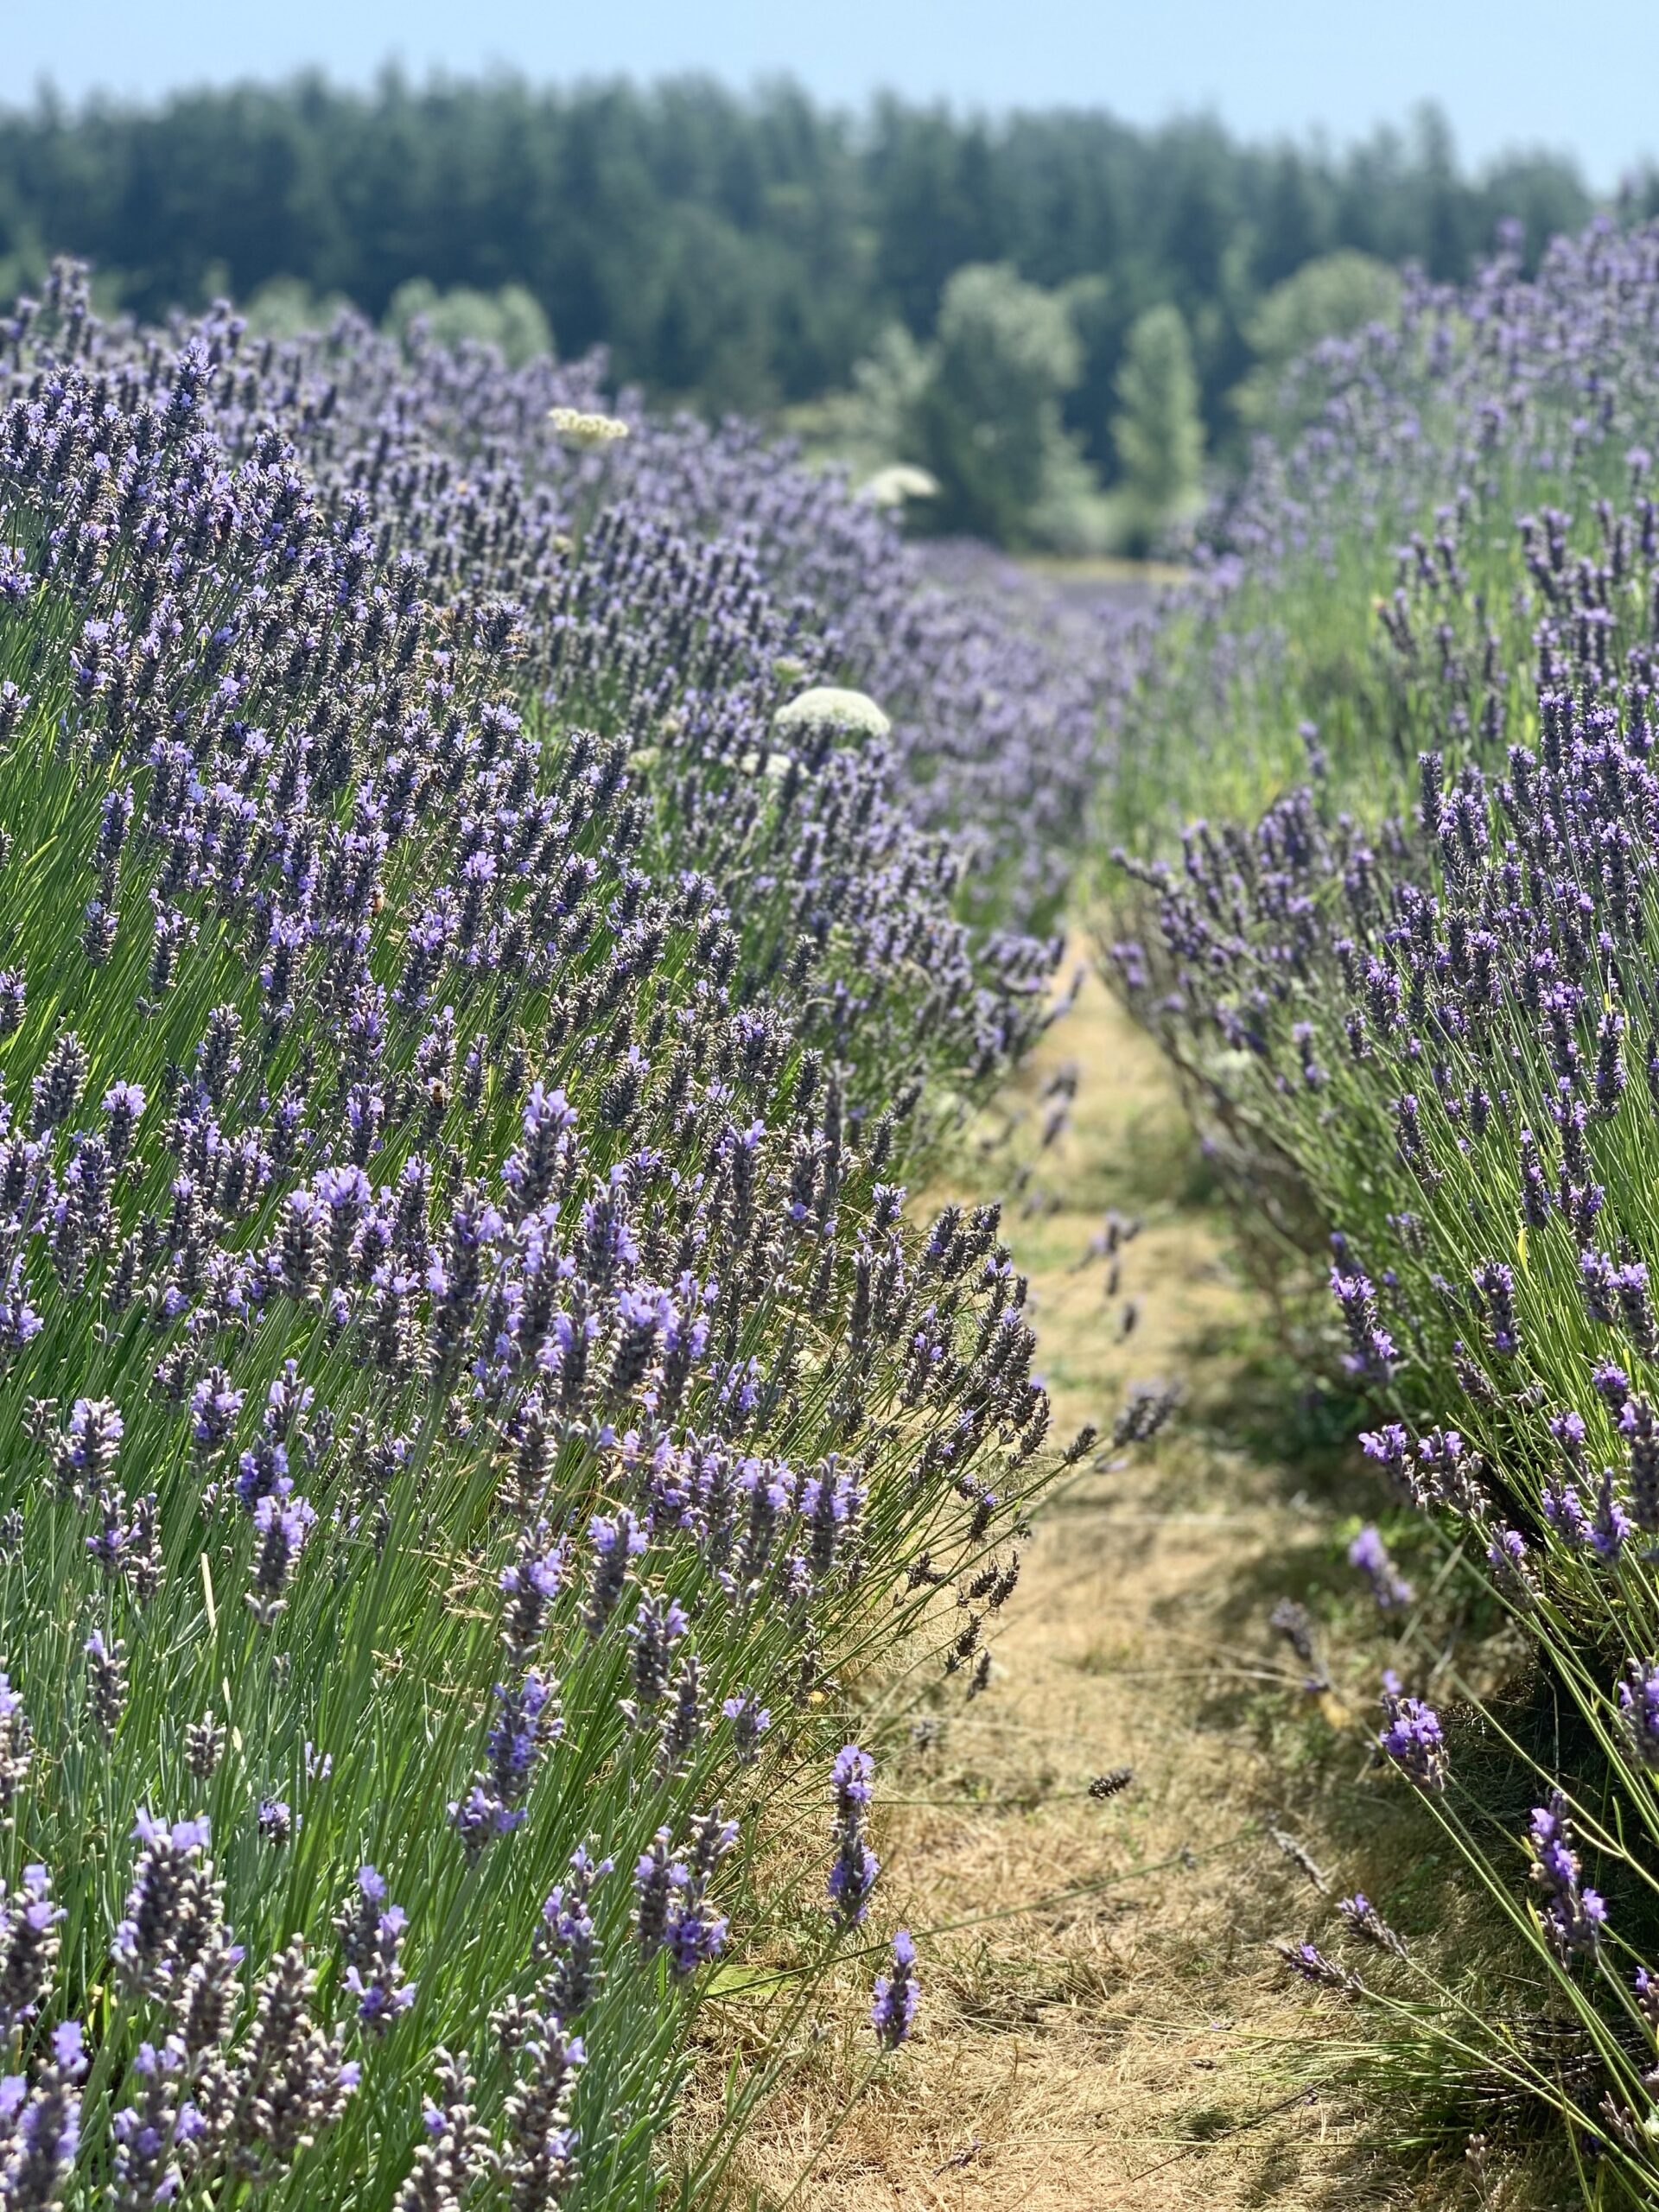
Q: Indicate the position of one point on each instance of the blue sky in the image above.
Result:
(1508, 73)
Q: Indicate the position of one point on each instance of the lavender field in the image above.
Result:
(533, 934)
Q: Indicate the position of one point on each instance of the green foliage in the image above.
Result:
(977, 410)
(868, 427)
(1157, 430)
(987, 419)
(510, 320)
(287, 306)
(1331, 297)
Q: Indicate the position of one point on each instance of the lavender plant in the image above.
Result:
(1432, 1002)
(468, 1390)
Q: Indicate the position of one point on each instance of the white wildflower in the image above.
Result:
(852, 713)
(580, 429)
(901, 481)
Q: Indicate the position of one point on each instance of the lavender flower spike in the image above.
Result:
(371, 1939)
(1412, 1737)
(1570, 1915)
(48, 2130)
(29, 1947)
(1638, 1700)
(852, 1876)
(1369, 1554)
(897, 1995)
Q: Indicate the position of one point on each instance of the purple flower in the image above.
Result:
(527, 1717)
(694, 1935)
(1312, 1964)
(1496, 1284)
(1572, 1917)
(274, 1820)
(164, 1928)
(1507, 1557)
(617, 1543)
(1638, 1699)
(19, 1323)
(566, 1941)
(653, 1633)
(106, 1684)
(671, 1912)
(214, 1405)
(147, 2130)
(657, 1877)
(1600, 1281)
(538, 2163)
(1611, 1528)
(1371, 1350)
(281, 1527)
(29, 1947)
(530, 1587)
(454, 2155)
(47, 2128)
(750, 1721)
(1411, 1738)
(1369, 1554)
(122, 1107)
(16, 1743)
(853, 1872)
(896, 1994)
(92, 1441)
(1363, 1916)
(370, 1938)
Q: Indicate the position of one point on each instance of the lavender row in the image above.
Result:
(1418, 991)
(1478, 404)
(469, 1392)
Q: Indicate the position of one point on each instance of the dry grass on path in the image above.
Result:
(1134, 2043)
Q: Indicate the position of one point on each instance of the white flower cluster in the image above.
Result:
(578, 429)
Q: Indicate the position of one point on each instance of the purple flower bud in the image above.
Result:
(896, 1994)
(1411, 1738)
(1369, 1554)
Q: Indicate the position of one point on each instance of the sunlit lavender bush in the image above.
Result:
(1433, 1001)
(467, 1390)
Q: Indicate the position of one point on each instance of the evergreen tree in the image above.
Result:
(1157, 430)
(988, 425)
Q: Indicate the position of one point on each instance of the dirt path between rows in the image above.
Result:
(1113, 2031)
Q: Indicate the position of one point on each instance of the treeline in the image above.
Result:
(740, 251)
